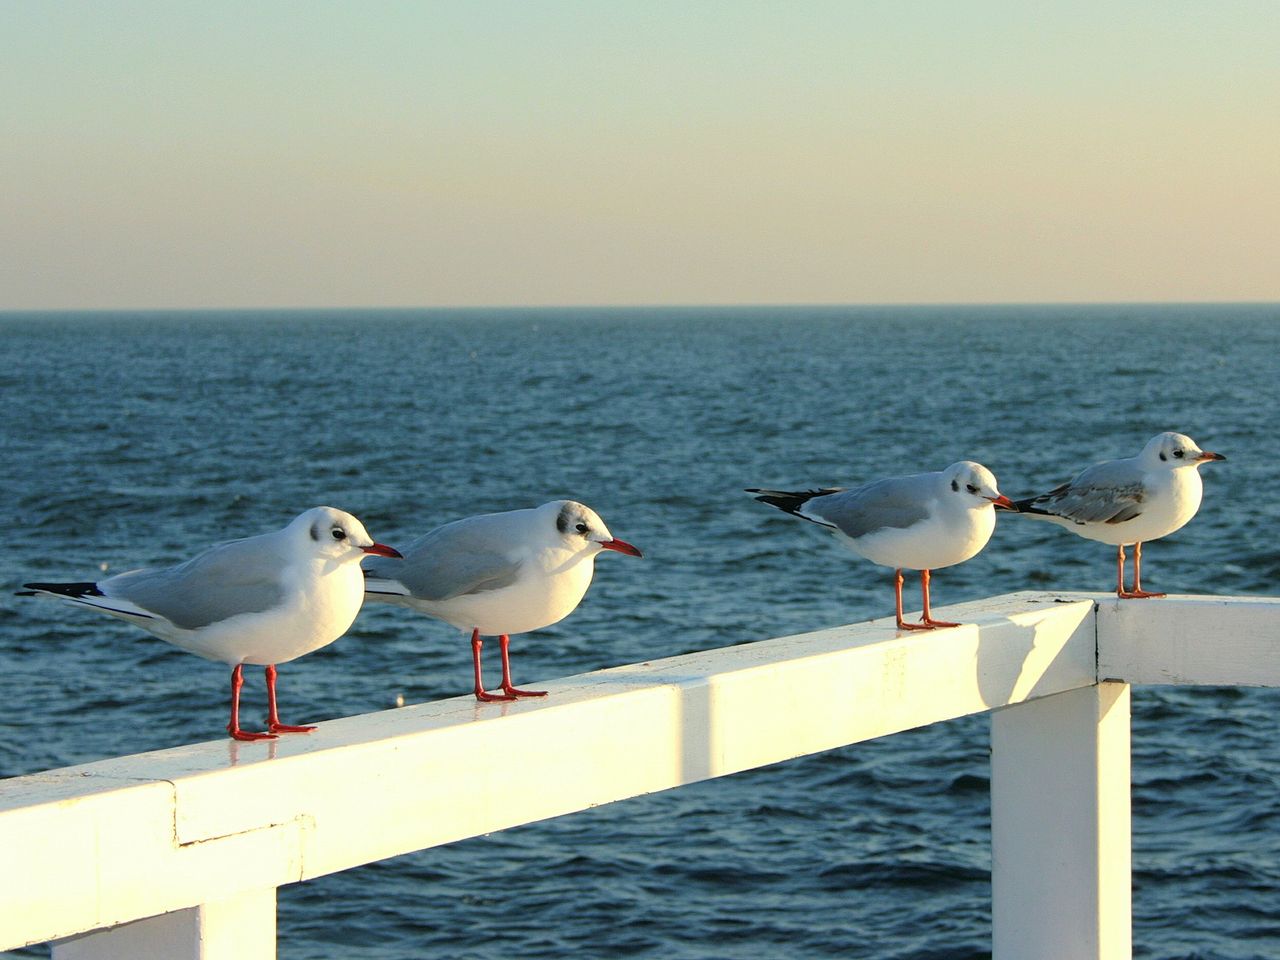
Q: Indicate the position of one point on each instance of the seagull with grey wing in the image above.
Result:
(1129, 501)
(264, 600)
(921, 522)
(498, 574)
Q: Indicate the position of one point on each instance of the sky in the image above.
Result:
(172, 154)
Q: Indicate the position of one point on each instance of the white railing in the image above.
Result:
(178, 853)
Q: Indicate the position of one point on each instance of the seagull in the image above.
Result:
(922, 522)
(263, 600)
(1130, 501)
(499, 574)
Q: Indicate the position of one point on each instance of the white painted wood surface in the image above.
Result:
(241, 927)
(1060, 846)
(204, 829)
(1223, 641)
(110, 842)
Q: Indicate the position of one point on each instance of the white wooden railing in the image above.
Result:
(177, 853)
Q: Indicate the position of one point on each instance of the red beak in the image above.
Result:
(1205, 455)
(382, 550)
(1003, 501)
(621, 546)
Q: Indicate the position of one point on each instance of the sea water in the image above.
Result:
(138, 439)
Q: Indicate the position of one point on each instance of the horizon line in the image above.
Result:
(727, 305)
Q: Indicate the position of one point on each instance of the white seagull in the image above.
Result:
(499, 574)
(1130, 501)
(263, 600)
(922, 522)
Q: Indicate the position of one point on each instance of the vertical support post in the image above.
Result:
(241, 927)
(1061, 873)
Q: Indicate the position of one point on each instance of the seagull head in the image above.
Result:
(1173, 450)
(580, 528)
(974, 485)
(334, 535)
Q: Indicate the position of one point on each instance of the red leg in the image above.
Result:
(1120, 591)
(1137, 593)
(925, 616)
(897, 596)
(233, 728)
(504, 641)
(273, 717)
(476, 644)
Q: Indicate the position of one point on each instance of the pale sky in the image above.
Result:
(173, 154)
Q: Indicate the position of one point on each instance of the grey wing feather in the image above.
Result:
(459, 558)
(897, 502)
(242, 576)
(1110, 492)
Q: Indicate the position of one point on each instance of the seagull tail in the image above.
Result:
(89, 595)
(378, 588)
(790, 501)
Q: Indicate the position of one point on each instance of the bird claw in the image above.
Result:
(486, 697)
(247, 735)
(1137, 594)
(515, 692)
(287, 728)
(929, 624)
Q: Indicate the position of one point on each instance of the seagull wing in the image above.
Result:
(466, 556)
(243, 576)
(1110, 492)
(897, 502)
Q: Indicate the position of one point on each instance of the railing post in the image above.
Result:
(1060, 843)
(242, 927)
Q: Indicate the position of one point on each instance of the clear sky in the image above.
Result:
(216, 154)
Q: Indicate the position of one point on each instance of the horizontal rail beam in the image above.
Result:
(114, 841)
(1221, 641)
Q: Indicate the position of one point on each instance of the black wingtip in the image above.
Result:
(85, 589)
(1029, 506)
(788, 501)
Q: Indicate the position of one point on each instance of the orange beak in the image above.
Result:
(382, 550)
(1206, 456)
(1003, 501)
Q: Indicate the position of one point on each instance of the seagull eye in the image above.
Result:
(971, 488)
(338, 533)
(1178, 454)
(582, 528)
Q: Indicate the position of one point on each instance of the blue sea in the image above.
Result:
(137, 439)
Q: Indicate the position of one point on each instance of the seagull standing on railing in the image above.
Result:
(264, 600)
(1130, 501)
(499, 574)
(922, 522)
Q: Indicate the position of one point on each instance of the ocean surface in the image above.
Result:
(137, 439)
